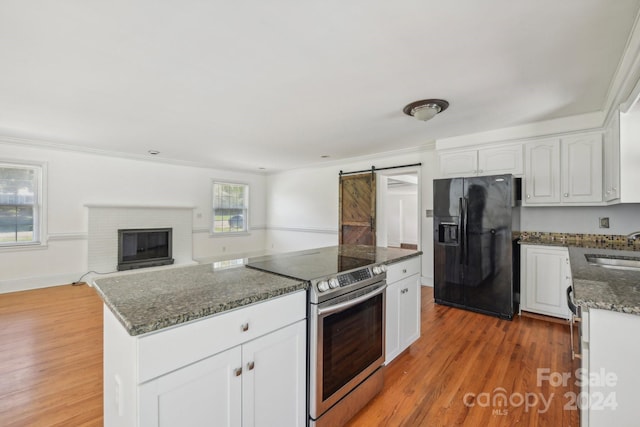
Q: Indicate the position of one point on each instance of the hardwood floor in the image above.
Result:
(51, 357)
(463, 356)
(51, 367)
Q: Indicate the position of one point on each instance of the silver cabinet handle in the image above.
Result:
(250, 366)
(244, 327)
(566, 194)
(237, 372)
(404, 271)
(528, 196)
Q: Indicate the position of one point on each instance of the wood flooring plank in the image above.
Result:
(51, 366)
(469, 369)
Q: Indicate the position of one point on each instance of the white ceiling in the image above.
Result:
(276, 84)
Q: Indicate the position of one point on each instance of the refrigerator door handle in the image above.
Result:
(463, 230)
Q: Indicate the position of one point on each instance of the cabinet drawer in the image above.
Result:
(400, 270)
(169, 349)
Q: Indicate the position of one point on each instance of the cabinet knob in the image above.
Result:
(404, 271)
(528, 196)
(566, 194)
(614, 189)
(237, 372)
(244, 327)
(250, 366)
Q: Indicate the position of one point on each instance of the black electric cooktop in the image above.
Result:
(314, 263)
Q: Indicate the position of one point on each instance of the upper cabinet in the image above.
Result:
(490, 160)
(542, 172)
(612, 160)
(581, 166)
(564, 171)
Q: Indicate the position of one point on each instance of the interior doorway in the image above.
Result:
(398, 221)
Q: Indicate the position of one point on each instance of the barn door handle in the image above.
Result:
(371, 222)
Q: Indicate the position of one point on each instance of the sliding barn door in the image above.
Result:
(358, 209)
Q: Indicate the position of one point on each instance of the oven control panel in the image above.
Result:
(354, 277)
(350, 278)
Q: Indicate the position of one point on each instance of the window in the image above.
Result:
(230, 207)
(20, 203)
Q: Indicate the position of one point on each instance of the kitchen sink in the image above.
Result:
(614, 261)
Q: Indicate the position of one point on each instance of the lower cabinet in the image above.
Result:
(245, 367)
(610, 375)
(403, 307)
(260, 383)
(545, 276)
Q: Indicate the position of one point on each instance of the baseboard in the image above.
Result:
(28, 283)
(426, 281)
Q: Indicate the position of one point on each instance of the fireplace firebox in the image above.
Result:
(144, 247)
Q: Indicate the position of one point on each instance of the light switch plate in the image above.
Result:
(429, 213)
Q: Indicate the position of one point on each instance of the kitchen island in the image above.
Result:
(200, 344)
(187, 345)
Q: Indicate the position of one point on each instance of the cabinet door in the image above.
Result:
(582, 168)
(392, 322)
(402, 316)
(274, 378)
(206, 393)
(500, 160)
(458, 163)
(409, 311)
(612, 160)
(546, 275)
(542, 172)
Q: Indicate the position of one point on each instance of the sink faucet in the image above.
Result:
(632, 237)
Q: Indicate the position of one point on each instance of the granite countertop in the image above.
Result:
(604, 288)
(319, 262)
(148, 301)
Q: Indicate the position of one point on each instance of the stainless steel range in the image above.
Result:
(346, 329)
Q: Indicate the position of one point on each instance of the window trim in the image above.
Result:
(247, 230)
(39, 224)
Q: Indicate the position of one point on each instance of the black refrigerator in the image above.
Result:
(476, 258)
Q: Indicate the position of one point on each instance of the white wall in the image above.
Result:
(402, 217)
(623, 219)
(77, 179)
(302, 204)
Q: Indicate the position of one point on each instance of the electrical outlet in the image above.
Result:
(604, 222)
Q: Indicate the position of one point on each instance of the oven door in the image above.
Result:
(347, 337)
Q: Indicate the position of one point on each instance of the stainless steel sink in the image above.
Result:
(613, 261)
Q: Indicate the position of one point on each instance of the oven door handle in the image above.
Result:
(344, 305)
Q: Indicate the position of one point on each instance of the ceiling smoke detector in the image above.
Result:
(425, 109)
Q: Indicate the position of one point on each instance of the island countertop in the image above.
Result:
(148, 301)
(604, 288)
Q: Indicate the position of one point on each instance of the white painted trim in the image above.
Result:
(624, 88)
(140, 157)
(530, 131)
(426, 281)
(81, 235)
(304, 229)
(114, 206)
(27, 283)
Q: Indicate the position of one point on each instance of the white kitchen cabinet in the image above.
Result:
(542, 172)
(630, 155)
(402, 307)
(566, 171)
(612, 160)
(611, 396)
(260, 383)
(244, 367)
(545, 275)
(491, 160)
(581, 165)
